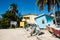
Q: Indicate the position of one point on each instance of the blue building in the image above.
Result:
(43, 20)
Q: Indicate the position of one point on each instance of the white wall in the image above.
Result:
(31, 20)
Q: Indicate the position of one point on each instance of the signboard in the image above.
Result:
(22, 24)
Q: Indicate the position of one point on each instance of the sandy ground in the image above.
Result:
(22, 34)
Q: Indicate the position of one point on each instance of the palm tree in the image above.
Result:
(50, 3)
(13, 8)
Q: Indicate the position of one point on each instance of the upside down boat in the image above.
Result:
(54, 30)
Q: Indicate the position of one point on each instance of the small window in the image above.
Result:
(26, 17)
(53, 21)
(43, 21)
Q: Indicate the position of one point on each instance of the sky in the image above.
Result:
(24, 6)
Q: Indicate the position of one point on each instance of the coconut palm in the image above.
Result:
(13, 8)
(50, 3)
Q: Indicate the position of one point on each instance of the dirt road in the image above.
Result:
(22, 34)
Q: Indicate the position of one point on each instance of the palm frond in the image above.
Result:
(58, 4)
(39, 2)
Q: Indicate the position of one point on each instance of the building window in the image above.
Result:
(43, 21)
(26, 17)
(58, 21)
(53, 21)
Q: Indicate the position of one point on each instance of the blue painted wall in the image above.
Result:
(47, 20)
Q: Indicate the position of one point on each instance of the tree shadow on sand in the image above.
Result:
(41, 33)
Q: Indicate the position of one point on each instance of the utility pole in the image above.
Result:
(55, 16)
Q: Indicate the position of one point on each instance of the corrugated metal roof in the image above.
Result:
(43, 15)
